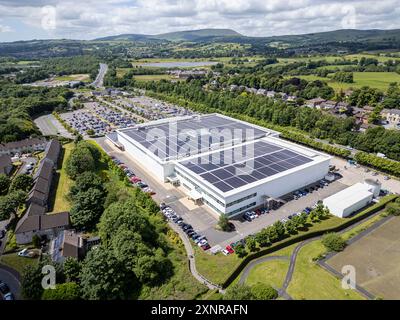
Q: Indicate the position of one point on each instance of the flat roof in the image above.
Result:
(349, 196)
(192, 135)
(233, 169)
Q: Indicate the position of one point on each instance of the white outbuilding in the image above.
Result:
(351, 199)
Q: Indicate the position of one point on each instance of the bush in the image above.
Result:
(239, 292)
(240, 251)
(393, 208)
(262, 291)
(64, 291)
(333, 242)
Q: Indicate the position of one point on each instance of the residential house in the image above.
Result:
(233, 87)
(328, 105)
(271, 94)
(261, 92)
(52, 152)
(27, 145)
(315, 103)
(361, 115)
(392, 116)
(5, 164)
(71, 244)
(43, 225)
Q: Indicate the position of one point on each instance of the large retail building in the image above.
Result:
(230, 165)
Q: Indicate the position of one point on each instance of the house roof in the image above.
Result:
(28, 223)
(35, 210)
(52, 151)
(391, 111)
(45, 170)
(49, 221)
(71, 244)
(21, 144)
(42, 185)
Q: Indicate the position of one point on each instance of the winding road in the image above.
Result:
(98, 83)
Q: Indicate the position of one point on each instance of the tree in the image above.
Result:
(72, 268)
(31, 284)
(79, 161)
(10, 203)
(239, 292)
(291, 227)
(272, 233)
(4, 184)
(87, 209)
(103, 277)
(22, 182)
(63, 291)
(240, 251)
(36, 241)
(262, 291)
(280, 229)
(262, 238)
(85, 181)
(333, 242)
(223, 222)
(251, 244)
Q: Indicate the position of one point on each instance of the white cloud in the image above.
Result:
(93, 18)
(5, 28)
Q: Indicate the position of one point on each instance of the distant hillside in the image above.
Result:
(191, 35)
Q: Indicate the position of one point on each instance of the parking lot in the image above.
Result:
(99, 118)
(152, 109)
(202, 219)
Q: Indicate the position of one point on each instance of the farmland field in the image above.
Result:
(378, 80)
(376, 258)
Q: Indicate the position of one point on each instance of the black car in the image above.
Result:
(4, 288)
(2, 234)
(246, 217)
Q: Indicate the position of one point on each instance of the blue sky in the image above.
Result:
(88, 19)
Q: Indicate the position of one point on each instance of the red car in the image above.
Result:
(229, 249)
(205, 247)
(135, 179)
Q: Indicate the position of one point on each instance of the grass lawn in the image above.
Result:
(61, 202)
(12, 260)
(153, 77)
(270, 272)
(73, 77)
(217, 267)
(378, 80)
(311, 282)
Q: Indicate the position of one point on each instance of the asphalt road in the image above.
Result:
(11, 278)
(98, 83)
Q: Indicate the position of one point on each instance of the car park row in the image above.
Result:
(196, 237)
(134, 180)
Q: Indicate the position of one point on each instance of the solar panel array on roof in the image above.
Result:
(263, 160)
(165, 144)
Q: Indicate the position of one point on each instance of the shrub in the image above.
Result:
(333, 242)
(393, 209)
(262, 291)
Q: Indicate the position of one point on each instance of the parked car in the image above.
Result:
(4, 289)
(202, 242)
(205, 247)
(247, 217)
(229, 249)
(8, 296)
(2, 234)
(225, 252)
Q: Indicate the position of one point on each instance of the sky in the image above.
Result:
(90, 19)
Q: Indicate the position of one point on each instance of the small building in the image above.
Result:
(328, 105)
(48, 225)
(5, 164)
(71, 244)
(315, 103)
(351, 199)
(27, 145)
(392, 116)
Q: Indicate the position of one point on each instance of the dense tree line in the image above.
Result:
(316, 123)
(18, 104)
(60, 67)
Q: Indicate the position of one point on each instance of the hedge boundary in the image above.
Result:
(292, 240)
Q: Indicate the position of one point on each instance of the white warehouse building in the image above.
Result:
(352, 199)
(228, 164)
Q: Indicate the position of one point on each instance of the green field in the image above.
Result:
(154, 77)
(61, 202)
(311, 282)
(378, 80)
(17, 263)
(271, 272)
(73, 77)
